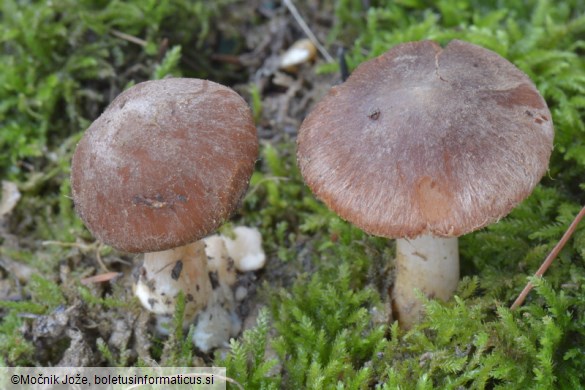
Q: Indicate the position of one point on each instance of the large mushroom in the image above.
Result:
(165, 164)
(425, 144)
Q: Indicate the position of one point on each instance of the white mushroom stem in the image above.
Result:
(206, 273)
(164, 274)
(428, 264)
(218, 322)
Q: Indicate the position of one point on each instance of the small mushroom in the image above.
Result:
(165, 164)
(425, 144)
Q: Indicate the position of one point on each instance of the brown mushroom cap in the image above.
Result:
(164, 165)
(425, 140)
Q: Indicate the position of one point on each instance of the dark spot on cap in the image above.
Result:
(190, 297)
(541, 119)
(152, 302)
(156, 202)
(374, 115)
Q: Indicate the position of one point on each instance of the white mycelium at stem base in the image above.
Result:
(428, 264)
(164, 274)
(206, 272)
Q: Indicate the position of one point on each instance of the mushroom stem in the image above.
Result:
(206, 272)
(428, 264)
(164, 274)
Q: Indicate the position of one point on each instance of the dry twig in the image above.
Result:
(549, 259)
(101, 278)
(129, 38)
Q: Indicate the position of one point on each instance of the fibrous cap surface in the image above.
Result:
(165, 164)
(426, 140)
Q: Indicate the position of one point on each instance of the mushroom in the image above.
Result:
(425, 144)
(165, 164)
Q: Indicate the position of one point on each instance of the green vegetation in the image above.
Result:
(323, 322)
